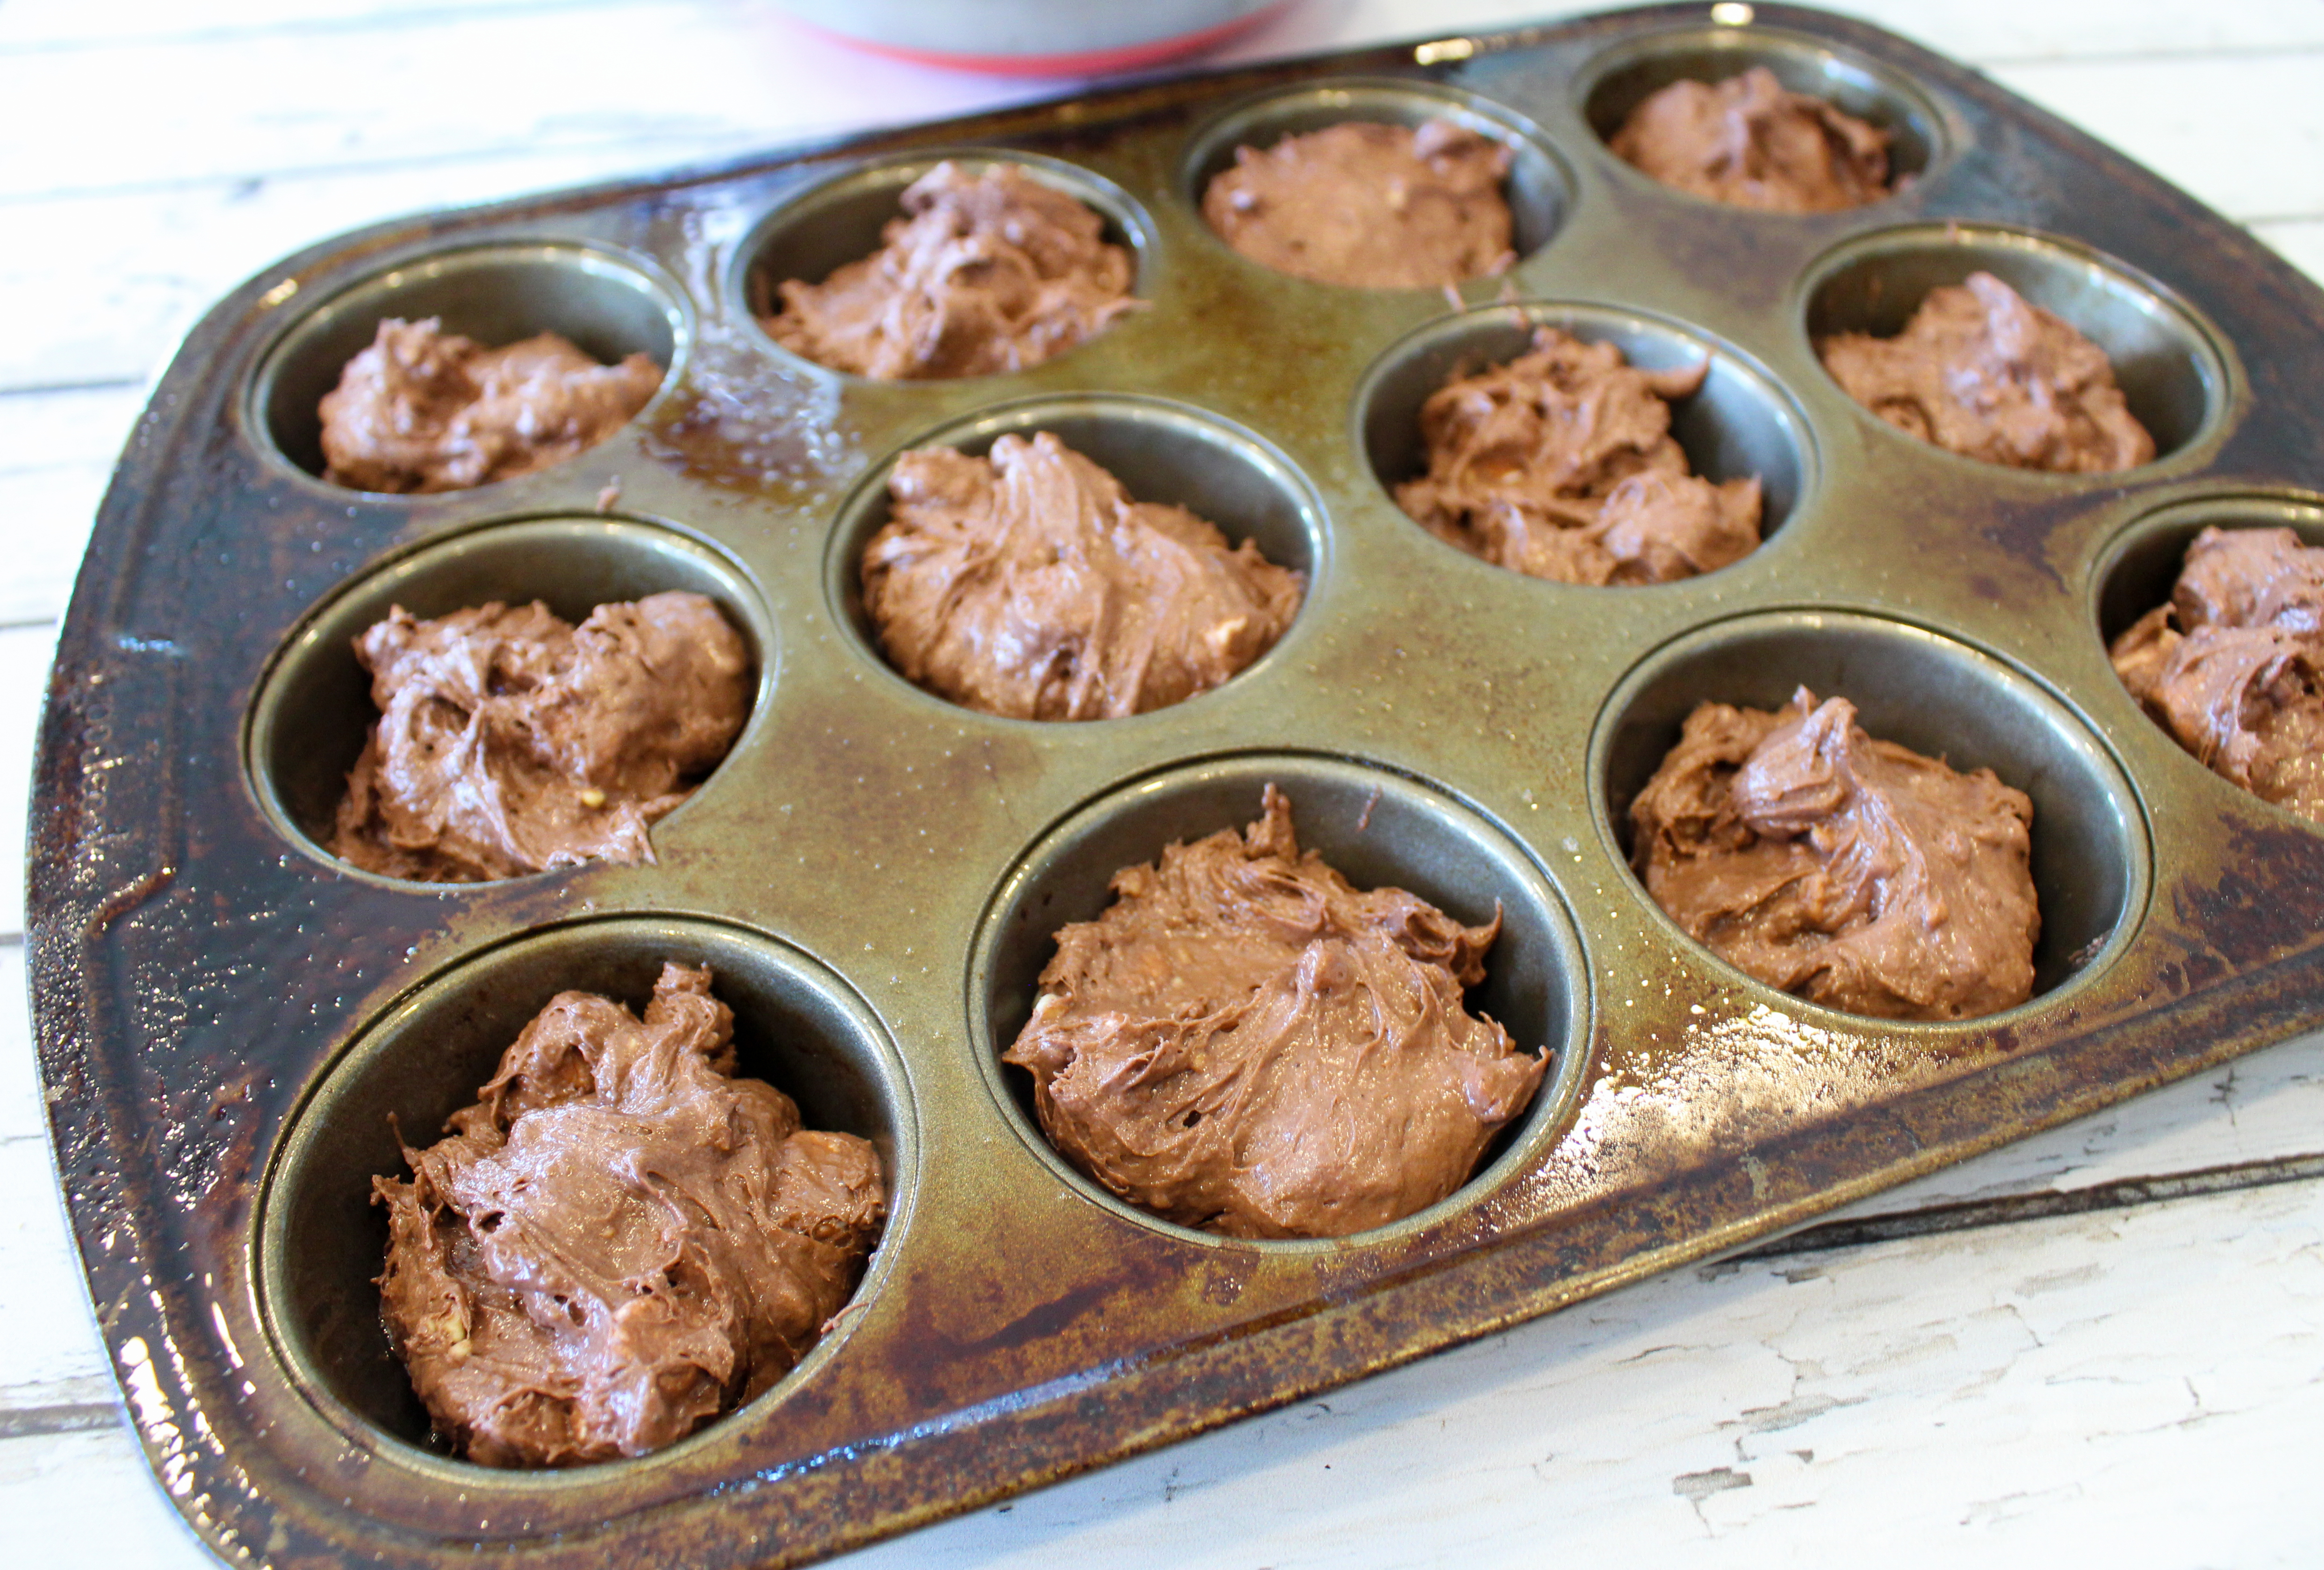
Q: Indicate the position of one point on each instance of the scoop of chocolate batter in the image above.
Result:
(1561, 464)
(985, 272)
(620, 1240)
(2233, 666)
(1853, 872)
(1751, 142)
(1029, 584)
(1980, 371)
(423, 409)
(1246, 1044)
(510, 740)
(1377, 207)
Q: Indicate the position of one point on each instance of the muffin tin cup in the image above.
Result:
(1538, 188)
(2169, 363)
(2140, 567)
(1161, 452)
(1739, 424)
(839, 220)
(609, 305)
(1379, 829)
(314, 711)
(1940, 697)
(1625, 76)
(226, 1014)
(321, 1241)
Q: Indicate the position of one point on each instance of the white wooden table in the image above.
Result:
(2115, 1353)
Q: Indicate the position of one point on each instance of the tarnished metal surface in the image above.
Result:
(226, 1016)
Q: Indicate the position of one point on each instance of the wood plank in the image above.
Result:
(50, 1357)
(2299, 241)
(281, 101)
(61, 24)
(50, 513)
(25, 654)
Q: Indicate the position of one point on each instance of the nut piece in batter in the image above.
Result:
(1375, 206)
(1246, 1043)
(2233, 665)
(1855, 872)
(1751, 142)
(510, 740)
(620, 1241)
(1029, 584)
(985, 272)
(1561, 464)
(1980, 371)
(426, 411)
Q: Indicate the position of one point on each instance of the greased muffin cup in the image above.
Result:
(226, 1014)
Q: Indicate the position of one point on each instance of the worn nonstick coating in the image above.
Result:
(226, 1015)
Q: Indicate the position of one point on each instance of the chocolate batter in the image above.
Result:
(1561, 464)
(1245, 1043)
(1853, 872)
(510, 740)
(1029, 584)
(1377, 207)
(985, 272)
(1749, 142)
(620, 1240)
(2233, 666)
(1979, 372)
(423, 409)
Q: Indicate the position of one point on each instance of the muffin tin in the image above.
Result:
(227, 1016)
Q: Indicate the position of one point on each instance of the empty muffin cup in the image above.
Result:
(608, 305)
(321, 1242)
(1161, 452)
(1622, 79)
(1535, 189)
(1739, 424)
(827, 225)
(1941, 698)
(1379, 829)
(314, 709)
(2171, 367)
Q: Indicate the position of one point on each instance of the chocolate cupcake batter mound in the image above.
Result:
(2233, 664)
(1375, 206)
(427, 410)
(1855, 872)
(1980, 371)
(1246, 1043)
(620, 1240)
(510, 740)
(1029, 584)
(1751, 142)
(1561, 464)
(985, 272)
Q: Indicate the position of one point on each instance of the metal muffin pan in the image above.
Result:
(225, 1015)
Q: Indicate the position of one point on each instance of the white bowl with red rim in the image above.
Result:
(1062, 38)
